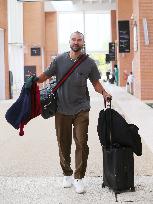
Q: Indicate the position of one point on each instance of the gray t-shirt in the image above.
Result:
(73, 95)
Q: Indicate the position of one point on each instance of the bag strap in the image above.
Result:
(76, 64)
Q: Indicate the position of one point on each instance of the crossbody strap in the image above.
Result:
(76, 64)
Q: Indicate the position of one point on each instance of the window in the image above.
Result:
(96, 27)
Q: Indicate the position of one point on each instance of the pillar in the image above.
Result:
(34, 34)
(4, 26)
(143, 56)
(113, 32)
(51, 36)
(124, 12)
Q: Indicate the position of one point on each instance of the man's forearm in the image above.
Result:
(98, 87)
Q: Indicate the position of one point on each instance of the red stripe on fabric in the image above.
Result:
(21, 132)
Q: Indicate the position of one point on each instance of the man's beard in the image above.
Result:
(76, 49)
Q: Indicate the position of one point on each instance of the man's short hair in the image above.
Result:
(78, 32)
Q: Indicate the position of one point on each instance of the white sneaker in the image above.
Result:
(67, 181)
(79, 186)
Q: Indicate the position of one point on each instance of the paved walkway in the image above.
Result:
(30, 172)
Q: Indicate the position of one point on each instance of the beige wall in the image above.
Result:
(34, 33)
(4, 25)
(40, 29)
(124, 12)
(51, 35)
(143, 58)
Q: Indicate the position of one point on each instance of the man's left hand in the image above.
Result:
(107, 96)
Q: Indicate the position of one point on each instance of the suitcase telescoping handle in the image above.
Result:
(108, 104)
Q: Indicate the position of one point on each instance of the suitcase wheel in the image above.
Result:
(132, 189)
(103, 185)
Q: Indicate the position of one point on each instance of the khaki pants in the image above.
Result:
(64, 125)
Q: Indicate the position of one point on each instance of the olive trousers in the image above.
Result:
(79, 124)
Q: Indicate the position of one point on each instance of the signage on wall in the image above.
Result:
(124, 36)
(29, 71)
(35, 51)
(112, 51)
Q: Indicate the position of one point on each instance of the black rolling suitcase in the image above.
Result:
(118, 169)
(118, 166)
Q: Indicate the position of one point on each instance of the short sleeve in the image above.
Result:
(51, 70)
(94, 74)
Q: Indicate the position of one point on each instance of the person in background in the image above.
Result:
(130, 81)
(116, 71)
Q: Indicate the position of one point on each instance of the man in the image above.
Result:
(73, 109)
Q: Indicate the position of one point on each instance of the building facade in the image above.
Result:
(38, 42)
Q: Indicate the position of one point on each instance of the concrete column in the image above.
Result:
(51, 36)
(143, 56)
(34, 33)
(124, 12)
(4, 26)
(113, 30)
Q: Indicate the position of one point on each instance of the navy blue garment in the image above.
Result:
(20, 110)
